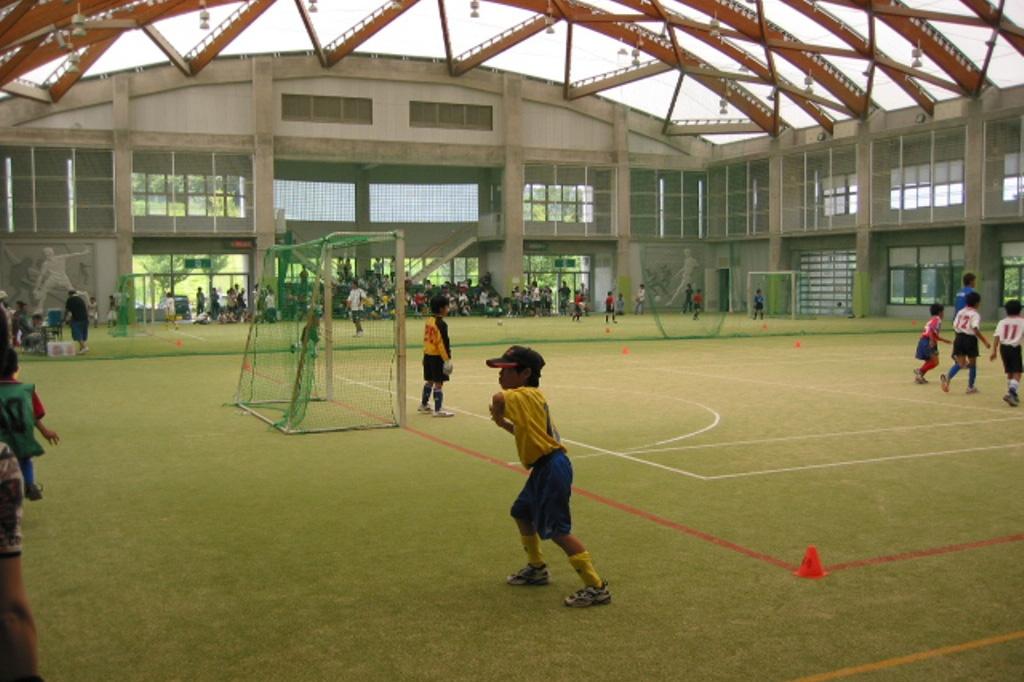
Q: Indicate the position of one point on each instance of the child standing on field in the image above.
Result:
(23, 412)
(170, 315)
(758, 304)
(1007, 339)
(698, 303)
(609, 308)
(541, 511)
(928, 344)
(437, 358)
(967, 325)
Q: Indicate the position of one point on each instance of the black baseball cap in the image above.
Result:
(519, 357)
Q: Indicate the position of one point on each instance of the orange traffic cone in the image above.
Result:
(764, 327)
(179, 343)
(796, 345)
(625, 351)
(607, 330)
(811, 566)
(246, 367)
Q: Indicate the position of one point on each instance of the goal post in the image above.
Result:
(136, 300)
(780, 290)
(310, 363)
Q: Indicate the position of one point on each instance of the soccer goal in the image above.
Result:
(780, 290)
(136, 300)
(311, 364)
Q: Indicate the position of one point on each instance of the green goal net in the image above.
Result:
(780, 289)
(136, 301)
(320, 356)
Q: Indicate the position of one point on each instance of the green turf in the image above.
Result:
(181, 539)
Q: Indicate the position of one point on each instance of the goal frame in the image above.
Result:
(327, 276)
(794, 277)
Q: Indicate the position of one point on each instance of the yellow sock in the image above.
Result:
(585, 567)
(531, 545)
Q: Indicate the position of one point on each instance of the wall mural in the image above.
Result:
(667, 272)
(41, 274)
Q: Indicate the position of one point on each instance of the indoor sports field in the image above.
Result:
(182, 539)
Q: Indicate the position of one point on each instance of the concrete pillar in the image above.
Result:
(866, 300)
(974, 191)
(775, 261)
(263, 114)
(512, 186)
(623, 274)
(122, 121)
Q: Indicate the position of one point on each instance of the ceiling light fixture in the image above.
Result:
(808, 84)
(73, 63)
(723, 107)
(474, 9)
(312, 7)
(916, 54)
(204, 17)
(714, 27)
(549, 19)
(636, 56)
(78, 22)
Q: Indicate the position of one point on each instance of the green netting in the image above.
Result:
(136, 306)
(781, 292)
(311, 363)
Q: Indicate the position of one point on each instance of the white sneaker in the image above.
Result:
(972, 389)
(444, 413)
(424, 409)
(359, 334)
(84, 351)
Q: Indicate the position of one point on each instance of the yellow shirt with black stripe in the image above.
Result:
(435, 338)
(535, 435)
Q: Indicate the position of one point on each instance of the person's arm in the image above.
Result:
(981, 337)
(995, 347)
(498, 412)
(18, 640)
(50, 435)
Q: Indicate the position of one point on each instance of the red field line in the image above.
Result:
(913, 658)
(661, 521)
(920, 553)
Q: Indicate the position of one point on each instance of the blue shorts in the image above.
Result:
(80, 330)
(925, 349)
(544, 500)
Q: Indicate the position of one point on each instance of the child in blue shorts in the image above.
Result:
(542, 509)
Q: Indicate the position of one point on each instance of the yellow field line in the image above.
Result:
(913, 658)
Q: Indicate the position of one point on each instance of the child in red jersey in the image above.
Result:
(609, 308)
(928, 344)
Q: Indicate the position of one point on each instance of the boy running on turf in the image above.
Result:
(609, 308)
(965, 346)
(541, 511)
(1007, 339)
(437, 357)
(22, 412)
(928, 344)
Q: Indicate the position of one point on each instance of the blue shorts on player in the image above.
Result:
(544, 500)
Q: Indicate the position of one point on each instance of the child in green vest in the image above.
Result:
(21, 411)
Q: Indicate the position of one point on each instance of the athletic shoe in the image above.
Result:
(919, 378)
(358, 334)
(1016, 399)
(589, 596)
(424, 409)
(1008, 399)
(971, 389)
(34, 491)
(443, 413)
(945, 383)
(530, 575)
(84, 351)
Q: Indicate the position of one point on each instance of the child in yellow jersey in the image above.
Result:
(437, 358)
(542, 509)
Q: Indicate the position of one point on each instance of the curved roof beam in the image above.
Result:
(348, 41)
(226, 31)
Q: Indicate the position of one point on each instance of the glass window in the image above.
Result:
(441, 203)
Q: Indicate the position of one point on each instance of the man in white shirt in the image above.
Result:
(356, 296)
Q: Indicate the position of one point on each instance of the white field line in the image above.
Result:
(191, 336)
(873, 396)
(854, 462)
(835, 434)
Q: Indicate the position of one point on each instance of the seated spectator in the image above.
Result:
(34, 340)
(22, 324)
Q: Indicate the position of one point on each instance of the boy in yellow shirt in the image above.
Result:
(542, 509)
